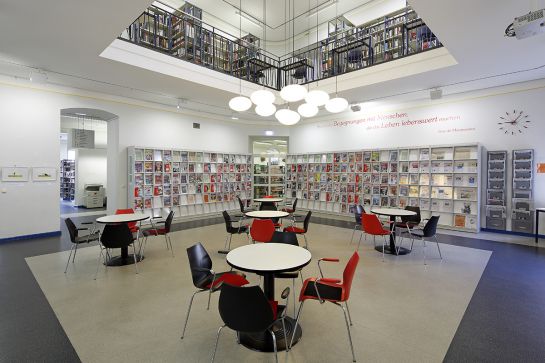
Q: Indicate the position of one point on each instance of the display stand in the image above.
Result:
(522, 213)
(496, 198)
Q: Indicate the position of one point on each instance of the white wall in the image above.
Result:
(91, 168)
(469, 118)
(30, 121)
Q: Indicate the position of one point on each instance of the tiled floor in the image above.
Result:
(395, 305)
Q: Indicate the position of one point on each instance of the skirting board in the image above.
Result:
(31, 236)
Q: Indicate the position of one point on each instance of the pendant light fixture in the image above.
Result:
(336, 104)
(293, 92)
(265, 109)
(317, 97)
(240, 103)
(287, 117)
(263, 96)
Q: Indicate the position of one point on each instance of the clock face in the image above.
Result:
(514, 123)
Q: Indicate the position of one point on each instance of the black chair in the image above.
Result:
(76, 239)
(247, 310)
(231, 230)
(357, 217)
(159, 228)
(292, 209)
(204, 278)
(429, 231)
(409, 222)
(116, 236)
(302, 231)
(243, 210)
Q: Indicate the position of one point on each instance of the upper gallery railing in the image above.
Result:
(181, 35)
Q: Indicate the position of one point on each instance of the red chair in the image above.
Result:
(373, 226)
(292, 209)
(303, 230)
(132, 225)
(333, 290)
(262, 230)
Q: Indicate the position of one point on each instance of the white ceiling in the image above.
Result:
(65, 38)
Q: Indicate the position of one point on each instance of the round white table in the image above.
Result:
(266, 259)
(125, 258)
(393, 213)
(267, 214)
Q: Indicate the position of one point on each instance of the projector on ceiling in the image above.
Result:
(529, 25)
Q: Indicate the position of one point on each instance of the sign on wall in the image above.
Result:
(14, 174)
(44, 174)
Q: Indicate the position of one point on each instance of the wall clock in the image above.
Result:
(514, 123)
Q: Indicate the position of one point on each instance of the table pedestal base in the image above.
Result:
(122, 260)
(263, 342)
(388, 250)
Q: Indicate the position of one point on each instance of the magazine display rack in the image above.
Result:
(496, 193)
(188, 182)
(67, 178)
(522, 208)
(441, 180)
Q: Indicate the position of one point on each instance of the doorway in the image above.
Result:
(269, 154)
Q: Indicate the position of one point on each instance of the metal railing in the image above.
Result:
(188, 38)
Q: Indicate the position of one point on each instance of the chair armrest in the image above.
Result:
(217, 287)
(82, 229)
(327, 259)
(333, 281)
(87, 223)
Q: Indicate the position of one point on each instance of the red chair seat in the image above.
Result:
(294, 230)
(229, 278)
(287, 210)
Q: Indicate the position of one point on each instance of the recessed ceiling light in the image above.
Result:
(269, 133)
(233, 117)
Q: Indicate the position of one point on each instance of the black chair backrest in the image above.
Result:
(116, 236)
(267, 206)
(245, 309)
(168, 221)
(412, 219)
(431, 226)
(228, 222)
(358, 212)
(199, 259)
(72, 229)
(294, 204)
(240, 204)
(307, 221)
(289, 238)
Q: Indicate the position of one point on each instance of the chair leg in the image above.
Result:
(75, 251)
(69, 256)
(383, 244)
(305, 237)
(353, 231)
(98, 263)
(284, 330)
(166, 240)
(293, 286)
(134, 257)
(216, 345)
(209, 296)
(189, 310)
(226, 240)
(348, 311)
(229, 247)
(296, 322)
(170, 243)
(348, 330)
(424, 251)
(438, 248)
(274, 345)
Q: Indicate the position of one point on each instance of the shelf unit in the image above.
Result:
(188, 182)
(522, 208)
(268, 175)
(67, 179)
(496, 193)
(441, 180)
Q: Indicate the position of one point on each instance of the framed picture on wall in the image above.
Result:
(44, 174)
(14, 174)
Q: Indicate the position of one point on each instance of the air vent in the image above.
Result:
(196, 125)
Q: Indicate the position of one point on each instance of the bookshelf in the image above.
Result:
(522, 208)
(269, 175)
(441, 180)
(496, 193)
(67, 179)
(186, 181)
